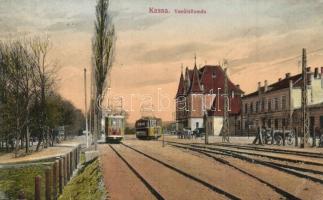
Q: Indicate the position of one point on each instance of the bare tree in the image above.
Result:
(44, 73)
(103, 48)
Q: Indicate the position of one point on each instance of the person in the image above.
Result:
(321, 138)
(258, 139)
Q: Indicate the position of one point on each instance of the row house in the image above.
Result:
(199, 99)
(278, 105)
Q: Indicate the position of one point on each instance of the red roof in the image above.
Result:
(180, 90)
(282, 84)
(195, 85)
(213, 78)
(205, 79)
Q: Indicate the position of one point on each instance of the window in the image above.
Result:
(257, 106)
(263, 105)
(246, 108)
(197, 125)
(213, 74)
(269, 105)
(321, 121)
(276, 103)
(283, 122)
(284, 102)
(251, 107)
(269, 123)
(276, 123)
(246, 125)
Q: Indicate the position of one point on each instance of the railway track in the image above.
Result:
(152, 190)
(185, 174)
(210, 154)
(264, 149)
(258, 154)
(211, 151)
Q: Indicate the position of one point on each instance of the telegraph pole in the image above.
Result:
(305, 116)
(85, 111)
(225, 127)
(205, 124)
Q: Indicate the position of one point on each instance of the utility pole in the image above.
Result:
(205, 124)
(305, 116)
(85, 111)
(225, 127)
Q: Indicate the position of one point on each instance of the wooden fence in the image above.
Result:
(56, 176)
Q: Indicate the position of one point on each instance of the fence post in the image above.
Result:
(314, 138)
(55, 179)
(71, 163)
(68, 167)
(284, 137)
(21, 195)
(76, 157)
(296, 136)
(60, 176)
(37, 188)
(47, 184)
(272, 137)
(65, 169)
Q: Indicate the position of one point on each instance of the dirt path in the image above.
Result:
(170, 184)
(217, 174)
(121, 183)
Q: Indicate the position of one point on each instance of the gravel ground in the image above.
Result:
(50, 152)
(242, 141)
(123, 184)
(215, 173)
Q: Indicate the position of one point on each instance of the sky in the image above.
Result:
(262, 40)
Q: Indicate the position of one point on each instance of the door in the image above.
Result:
(312, 120)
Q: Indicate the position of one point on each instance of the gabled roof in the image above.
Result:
(205, 79)
(195, 85)
(279, 85)
(181, 89)
(213, 78)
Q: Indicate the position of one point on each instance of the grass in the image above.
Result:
(12, 181)
(86, 185)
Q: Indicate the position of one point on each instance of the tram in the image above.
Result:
(148, 128)
(114, 128)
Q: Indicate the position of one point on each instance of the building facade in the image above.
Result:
(278, 105)
(199, 98)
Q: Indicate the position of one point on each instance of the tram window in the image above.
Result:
(153, 123)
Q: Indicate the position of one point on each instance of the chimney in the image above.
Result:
(316, 72)
(321, 70)
(290, 84)
(287, 75)
(238, 86)
(259, 86)
(308, 69)
(279, 79)
(266, 86)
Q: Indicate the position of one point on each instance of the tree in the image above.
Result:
(44, 79)
(103, 49)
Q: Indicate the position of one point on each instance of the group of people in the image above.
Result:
(185, 134)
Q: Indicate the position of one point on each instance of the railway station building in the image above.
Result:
(278, 105)
(200, 99)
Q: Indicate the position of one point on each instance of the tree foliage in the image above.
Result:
(29, 106)
(103, 52)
